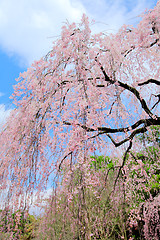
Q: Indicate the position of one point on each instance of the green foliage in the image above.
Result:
(29, 227)
(148, 160)
(154, 133)
(101, 162)
(83, 208)
(16, 223)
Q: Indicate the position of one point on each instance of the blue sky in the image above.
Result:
(28, 28)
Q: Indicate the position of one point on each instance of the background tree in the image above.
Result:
(81, 206)
(143, 185)
(17, 225)
(89, 94)
(84, 206)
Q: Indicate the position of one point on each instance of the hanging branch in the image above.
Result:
(123, 162)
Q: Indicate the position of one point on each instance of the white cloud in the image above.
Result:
(39, 201)
(28, 27)
(4, 114)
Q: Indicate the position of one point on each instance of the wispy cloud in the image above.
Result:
(28, 27)
(112, 14)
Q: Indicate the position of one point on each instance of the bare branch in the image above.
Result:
(59, 167)
(128, 51)
(149, 81)
(153, 43)
(130, 137)
(124, 159)
(105, 130)
(157, 101)
(127, 87)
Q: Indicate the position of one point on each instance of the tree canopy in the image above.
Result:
(90, 93)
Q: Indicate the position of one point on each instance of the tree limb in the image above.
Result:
(149, 81)
(105, 130)
(127, 87)
(130, 137)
